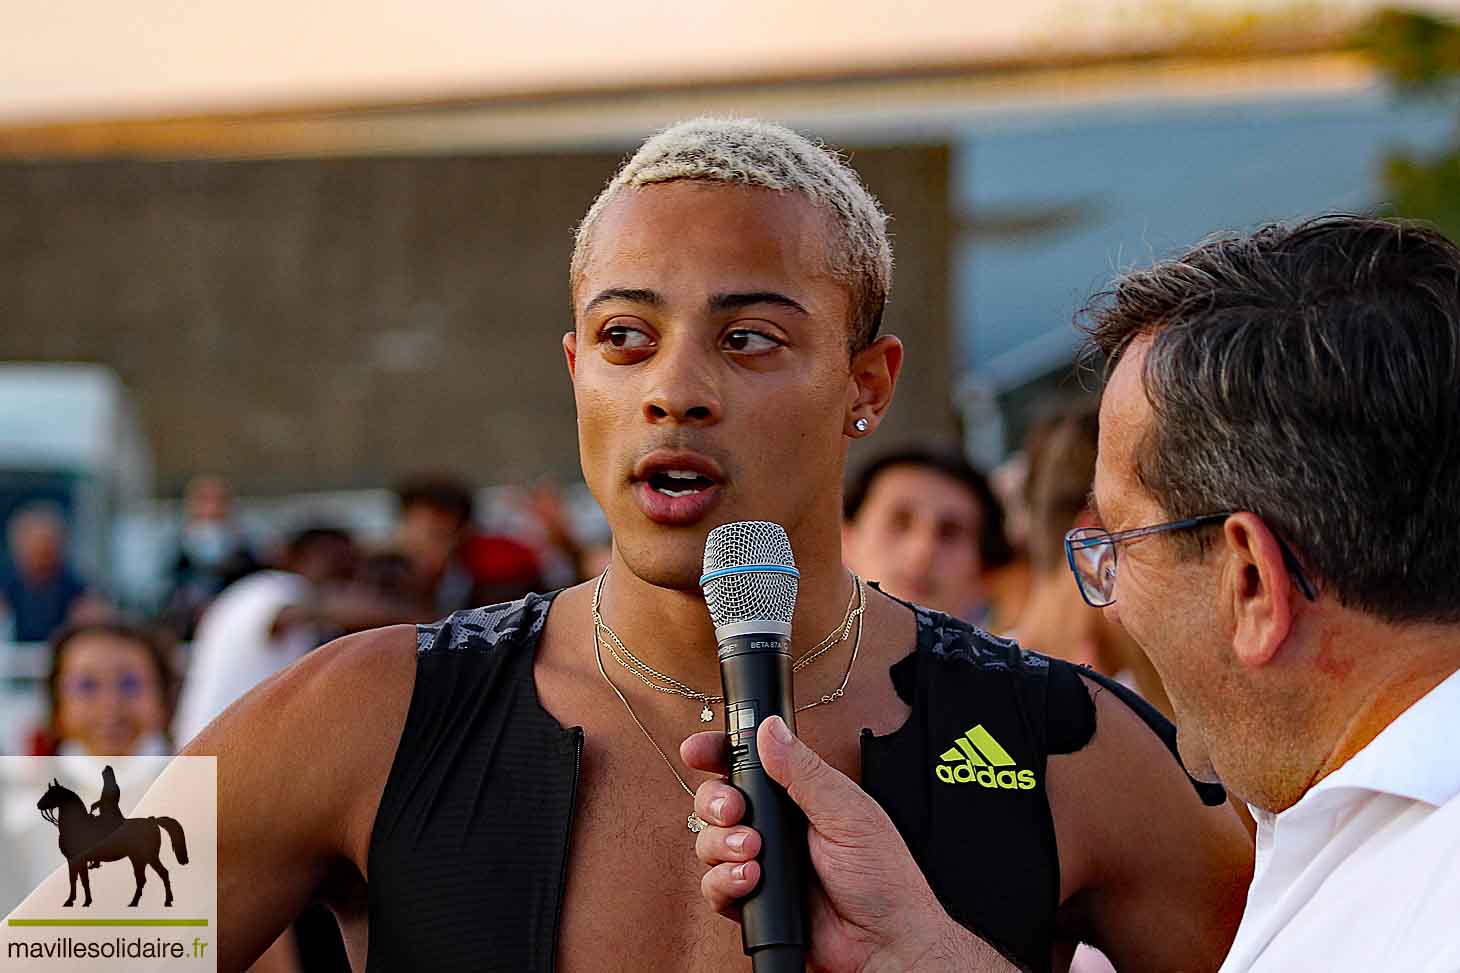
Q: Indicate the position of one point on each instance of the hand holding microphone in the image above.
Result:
(872, 909)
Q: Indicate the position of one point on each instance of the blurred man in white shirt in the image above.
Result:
(261, 624)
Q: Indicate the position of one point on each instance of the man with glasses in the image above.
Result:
(1278, 489)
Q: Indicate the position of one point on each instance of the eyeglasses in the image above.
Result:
(1091, 554)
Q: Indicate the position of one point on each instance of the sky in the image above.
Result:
(86, 59)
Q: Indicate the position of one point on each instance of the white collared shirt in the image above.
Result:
(1363, 873)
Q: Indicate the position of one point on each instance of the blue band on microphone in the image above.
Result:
(749, 569)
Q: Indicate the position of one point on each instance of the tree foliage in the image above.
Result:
(1420, 53)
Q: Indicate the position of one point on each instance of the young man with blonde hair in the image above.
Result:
(501, 790)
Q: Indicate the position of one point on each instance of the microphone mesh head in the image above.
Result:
(752, 596)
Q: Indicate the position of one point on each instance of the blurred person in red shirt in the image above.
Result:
(456, 564)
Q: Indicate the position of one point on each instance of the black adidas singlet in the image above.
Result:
(469, 852)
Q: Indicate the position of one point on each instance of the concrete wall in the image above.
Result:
(309, 324)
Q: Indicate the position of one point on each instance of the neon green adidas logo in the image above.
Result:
(977, 758)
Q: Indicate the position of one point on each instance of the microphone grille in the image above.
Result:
(752, 595)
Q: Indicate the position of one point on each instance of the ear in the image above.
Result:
(1258, 589)
(874, 374)
(570, 352)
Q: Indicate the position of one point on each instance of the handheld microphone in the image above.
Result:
(750, 582)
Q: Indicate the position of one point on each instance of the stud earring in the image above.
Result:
(861, 424)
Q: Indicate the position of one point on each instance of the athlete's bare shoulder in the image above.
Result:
(1152, 875)
(302, 762)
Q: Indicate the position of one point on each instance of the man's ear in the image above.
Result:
(1257, 588)
(570, 352)
(874, 377)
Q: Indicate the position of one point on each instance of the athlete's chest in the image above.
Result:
(632, 899)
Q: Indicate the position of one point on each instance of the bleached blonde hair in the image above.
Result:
(748, 152)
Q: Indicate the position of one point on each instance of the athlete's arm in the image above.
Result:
(1159, 879)
(302, 762)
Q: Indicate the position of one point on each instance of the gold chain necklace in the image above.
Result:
(694, 822)
(621, 653)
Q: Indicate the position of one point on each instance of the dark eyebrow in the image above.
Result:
(734, 302)
(629, 295)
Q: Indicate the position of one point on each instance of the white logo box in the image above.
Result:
(40, 932)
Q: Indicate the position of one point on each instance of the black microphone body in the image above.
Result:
(755, 670)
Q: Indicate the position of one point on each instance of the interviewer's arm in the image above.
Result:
(873, 910)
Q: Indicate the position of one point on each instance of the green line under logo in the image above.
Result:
(107, 922)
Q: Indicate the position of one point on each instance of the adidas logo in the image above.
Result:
(977, 758)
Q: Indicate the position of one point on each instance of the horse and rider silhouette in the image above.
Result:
(89, 839)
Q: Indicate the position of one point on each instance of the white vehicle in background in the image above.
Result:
(69, 437)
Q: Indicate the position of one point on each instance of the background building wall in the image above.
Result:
(319, 324)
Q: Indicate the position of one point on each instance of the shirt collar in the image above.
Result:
(1413, 757)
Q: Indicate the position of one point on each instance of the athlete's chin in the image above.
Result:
(675, 562)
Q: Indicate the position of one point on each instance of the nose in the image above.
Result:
(111, 700)
(683, 388)
(917, 552)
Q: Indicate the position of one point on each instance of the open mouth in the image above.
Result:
(677, 488)
(679, 483)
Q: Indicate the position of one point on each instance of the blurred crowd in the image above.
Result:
(238, 608)
(919, 520)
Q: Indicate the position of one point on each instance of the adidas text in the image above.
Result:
(966, 773)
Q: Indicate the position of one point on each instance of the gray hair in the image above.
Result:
(754, 153)
(1310, 375)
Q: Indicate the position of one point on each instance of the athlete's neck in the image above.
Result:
(671, 630)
